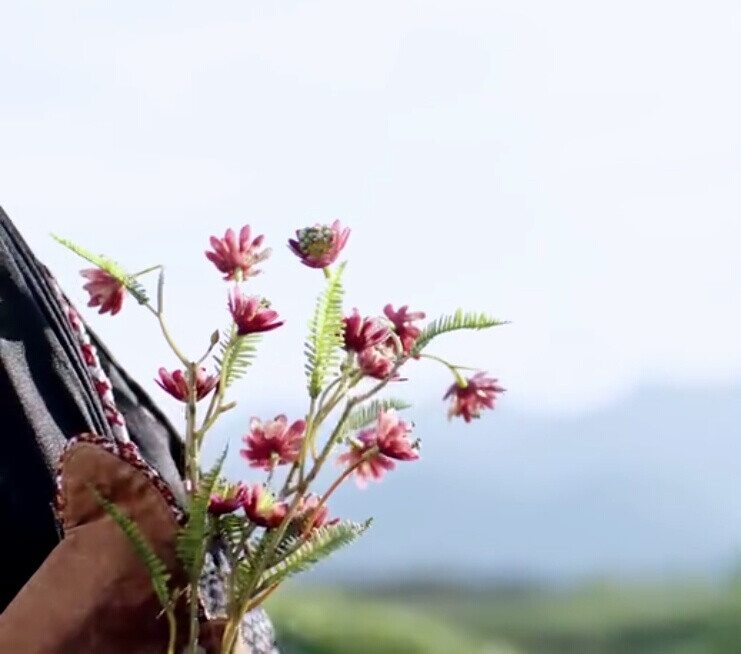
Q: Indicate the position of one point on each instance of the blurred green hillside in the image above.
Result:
(599, 619)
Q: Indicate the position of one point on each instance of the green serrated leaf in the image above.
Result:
(157, 570)
(366, 415)
(322, 542)
(193, 539)
(113, 268)
(243, 574)
(459, 320)
(231, 529)
(237, 353)
(325, 334)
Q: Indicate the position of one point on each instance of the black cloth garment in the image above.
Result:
(46, 397)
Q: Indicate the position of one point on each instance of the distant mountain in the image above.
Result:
(649, 485)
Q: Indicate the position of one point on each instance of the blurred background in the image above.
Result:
(573, 167)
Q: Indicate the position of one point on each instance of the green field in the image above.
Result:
(663, 619)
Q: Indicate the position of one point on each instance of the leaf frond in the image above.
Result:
(110, 266)
(457, 321)
(325, 334)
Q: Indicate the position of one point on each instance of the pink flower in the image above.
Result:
(273, 442)
(363, 333)
(176, 383)
(231, 253)
(402, 321)
(391, 437)
(229, 501)
(307, 508)
(251, 314)
(376, 448)
(261, 507)
(105, 290)
(376, 362)
(319, 246)
(372, 467)
(479, 393)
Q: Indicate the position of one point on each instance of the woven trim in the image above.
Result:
(102, 384)
(127, 452)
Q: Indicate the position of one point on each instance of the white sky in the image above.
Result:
(571, 166)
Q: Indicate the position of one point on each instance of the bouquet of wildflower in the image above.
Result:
(278, 525)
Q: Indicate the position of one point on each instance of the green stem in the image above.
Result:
(191, 453)
(229, 639)
(454, 369)
(335, 485)
(170, 340)
(298, 466)
(216, 407)
(147, 270)
(172, 632)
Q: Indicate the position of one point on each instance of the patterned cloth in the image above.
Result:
(257, 630)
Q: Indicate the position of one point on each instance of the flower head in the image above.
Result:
(229, 501)
(251, 314)
(403, 327)
(368, 466)
(273, 442)
(262, 508)
(319, 246)
(362, 333)
(238, 253)
(377, 362)
(308, 508)
(468, 401)
(105, 290)
(176, 383)
(391, 437)
(376, 448)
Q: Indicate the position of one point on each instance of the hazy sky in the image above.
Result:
(571, 166)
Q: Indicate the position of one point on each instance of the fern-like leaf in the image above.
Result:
(459, 320)
(193, 538)
(325, 334)
(110, 266)
(243, 575)
(367, 414)
(157, 570)
(237, 355)
(231, 529)
(322, 542)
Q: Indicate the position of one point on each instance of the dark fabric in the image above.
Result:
(46, 397)
(158, 441)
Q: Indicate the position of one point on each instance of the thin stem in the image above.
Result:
(191, 453)
(212, 345)
(325, 393)
(229, 639)
(454, 369)
(172, 629)
(216, 406)
(335, 485)
(263, 596)
(308, 438)
(171, 342)
(147, 270)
